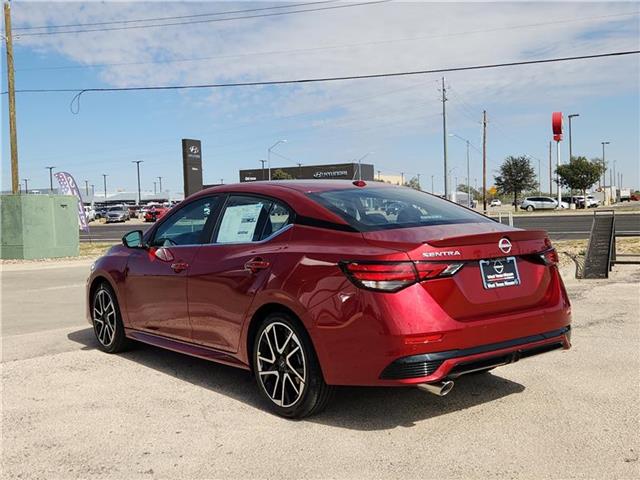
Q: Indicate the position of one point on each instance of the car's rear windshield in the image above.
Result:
(382, 208)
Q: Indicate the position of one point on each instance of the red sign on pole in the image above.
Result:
(556, 125)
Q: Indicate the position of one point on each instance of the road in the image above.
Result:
(73, 412)
(559, 226)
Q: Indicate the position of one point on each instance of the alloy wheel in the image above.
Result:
(104, 317)
(282, 368)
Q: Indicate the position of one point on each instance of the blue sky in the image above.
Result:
(398, 119)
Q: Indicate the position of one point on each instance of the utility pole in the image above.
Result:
(104, 178)
(401, 179)
(432, 183)
(26, 186)
(86, 187)
(444, 137)
(50, 178)
(263, 162)
(93, 190)
(484, 160)
(300, 170)
(614, 173)
(154, 188)
(138, 162)
(604, 172)
(468, 178)
(160, 184)
(11, 88)
(539, 179)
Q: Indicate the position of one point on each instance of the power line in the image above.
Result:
(80, 91)
(313, 49)
(210, 20)
(180, 17)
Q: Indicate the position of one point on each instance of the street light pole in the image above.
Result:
(160, 184)
(360, 164)
(154, 188)
(269, 154)
(104, 178)
(138, 162)
(26, 186)
(468, 169)
(604, 172)
(432, 183)
(570, 143)
(86, 187)
(50, 178)
(262, 162)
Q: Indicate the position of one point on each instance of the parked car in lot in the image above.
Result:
(308, 285)
(578, 200)
(154, 213)
(495, 203)
(539, 203)
(117, 214)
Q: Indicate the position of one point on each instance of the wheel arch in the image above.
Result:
(261, 313)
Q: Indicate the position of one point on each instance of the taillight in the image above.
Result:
(550, 257)
(394, 276)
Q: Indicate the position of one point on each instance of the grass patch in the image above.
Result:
(94, 249)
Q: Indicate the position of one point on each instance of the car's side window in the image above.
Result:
(186, 226)
(250, 219)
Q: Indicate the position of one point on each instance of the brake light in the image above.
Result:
(394, 276)
(550, 257)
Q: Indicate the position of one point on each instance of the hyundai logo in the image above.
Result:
(193, 149)
(504, 245)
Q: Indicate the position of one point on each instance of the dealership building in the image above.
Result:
(335, 171)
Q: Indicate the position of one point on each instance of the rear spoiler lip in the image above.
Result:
(483, 238)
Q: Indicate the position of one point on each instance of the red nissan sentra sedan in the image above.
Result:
(311, 284)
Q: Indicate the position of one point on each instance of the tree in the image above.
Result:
(516, 175)
(474, 193)
(580, 174)
(280, 174)
(413, 183)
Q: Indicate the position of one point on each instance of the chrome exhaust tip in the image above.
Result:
(439, 388)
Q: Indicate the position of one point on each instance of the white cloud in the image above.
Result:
(306, 45)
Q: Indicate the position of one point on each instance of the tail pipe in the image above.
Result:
(439, 388)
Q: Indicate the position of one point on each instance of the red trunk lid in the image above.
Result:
(463, 296)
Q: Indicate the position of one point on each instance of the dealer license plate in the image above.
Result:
(499, 272)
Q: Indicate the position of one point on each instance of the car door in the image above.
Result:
(156, 278)
(228, 272)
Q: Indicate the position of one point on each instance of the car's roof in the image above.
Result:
(294, 192)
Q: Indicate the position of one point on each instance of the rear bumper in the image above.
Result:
(433, 367)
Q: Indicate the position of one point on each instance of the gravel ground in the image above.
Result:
(70, 411)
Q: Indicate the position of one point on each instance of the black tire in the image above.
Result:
(113, 339)
(314, 394)
(530, 208)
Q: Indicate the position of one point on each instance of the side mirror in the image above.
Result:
(133, 239)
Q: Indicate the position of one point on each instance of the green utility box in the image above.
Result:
(38, 226)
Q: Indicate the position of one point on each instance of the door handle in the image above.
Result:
(256, 265)
(179, 266)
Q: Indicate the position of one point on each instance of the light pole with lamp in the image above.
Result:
(468, 169)
(359, 162)
(570, 116)
(269, 154)
(262, 162)
(604, 173)
(138, 162)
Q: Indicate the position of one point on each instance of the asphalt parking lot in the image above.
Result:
(71, 411)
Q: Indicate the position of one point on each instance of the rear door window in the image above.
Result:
(246, 219)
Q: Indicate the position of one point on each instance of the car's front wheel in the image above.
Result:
(530, 208)
(287, 369)
(107, 322)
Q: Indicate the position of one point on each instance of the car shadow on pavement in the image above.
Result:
(355, 408)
